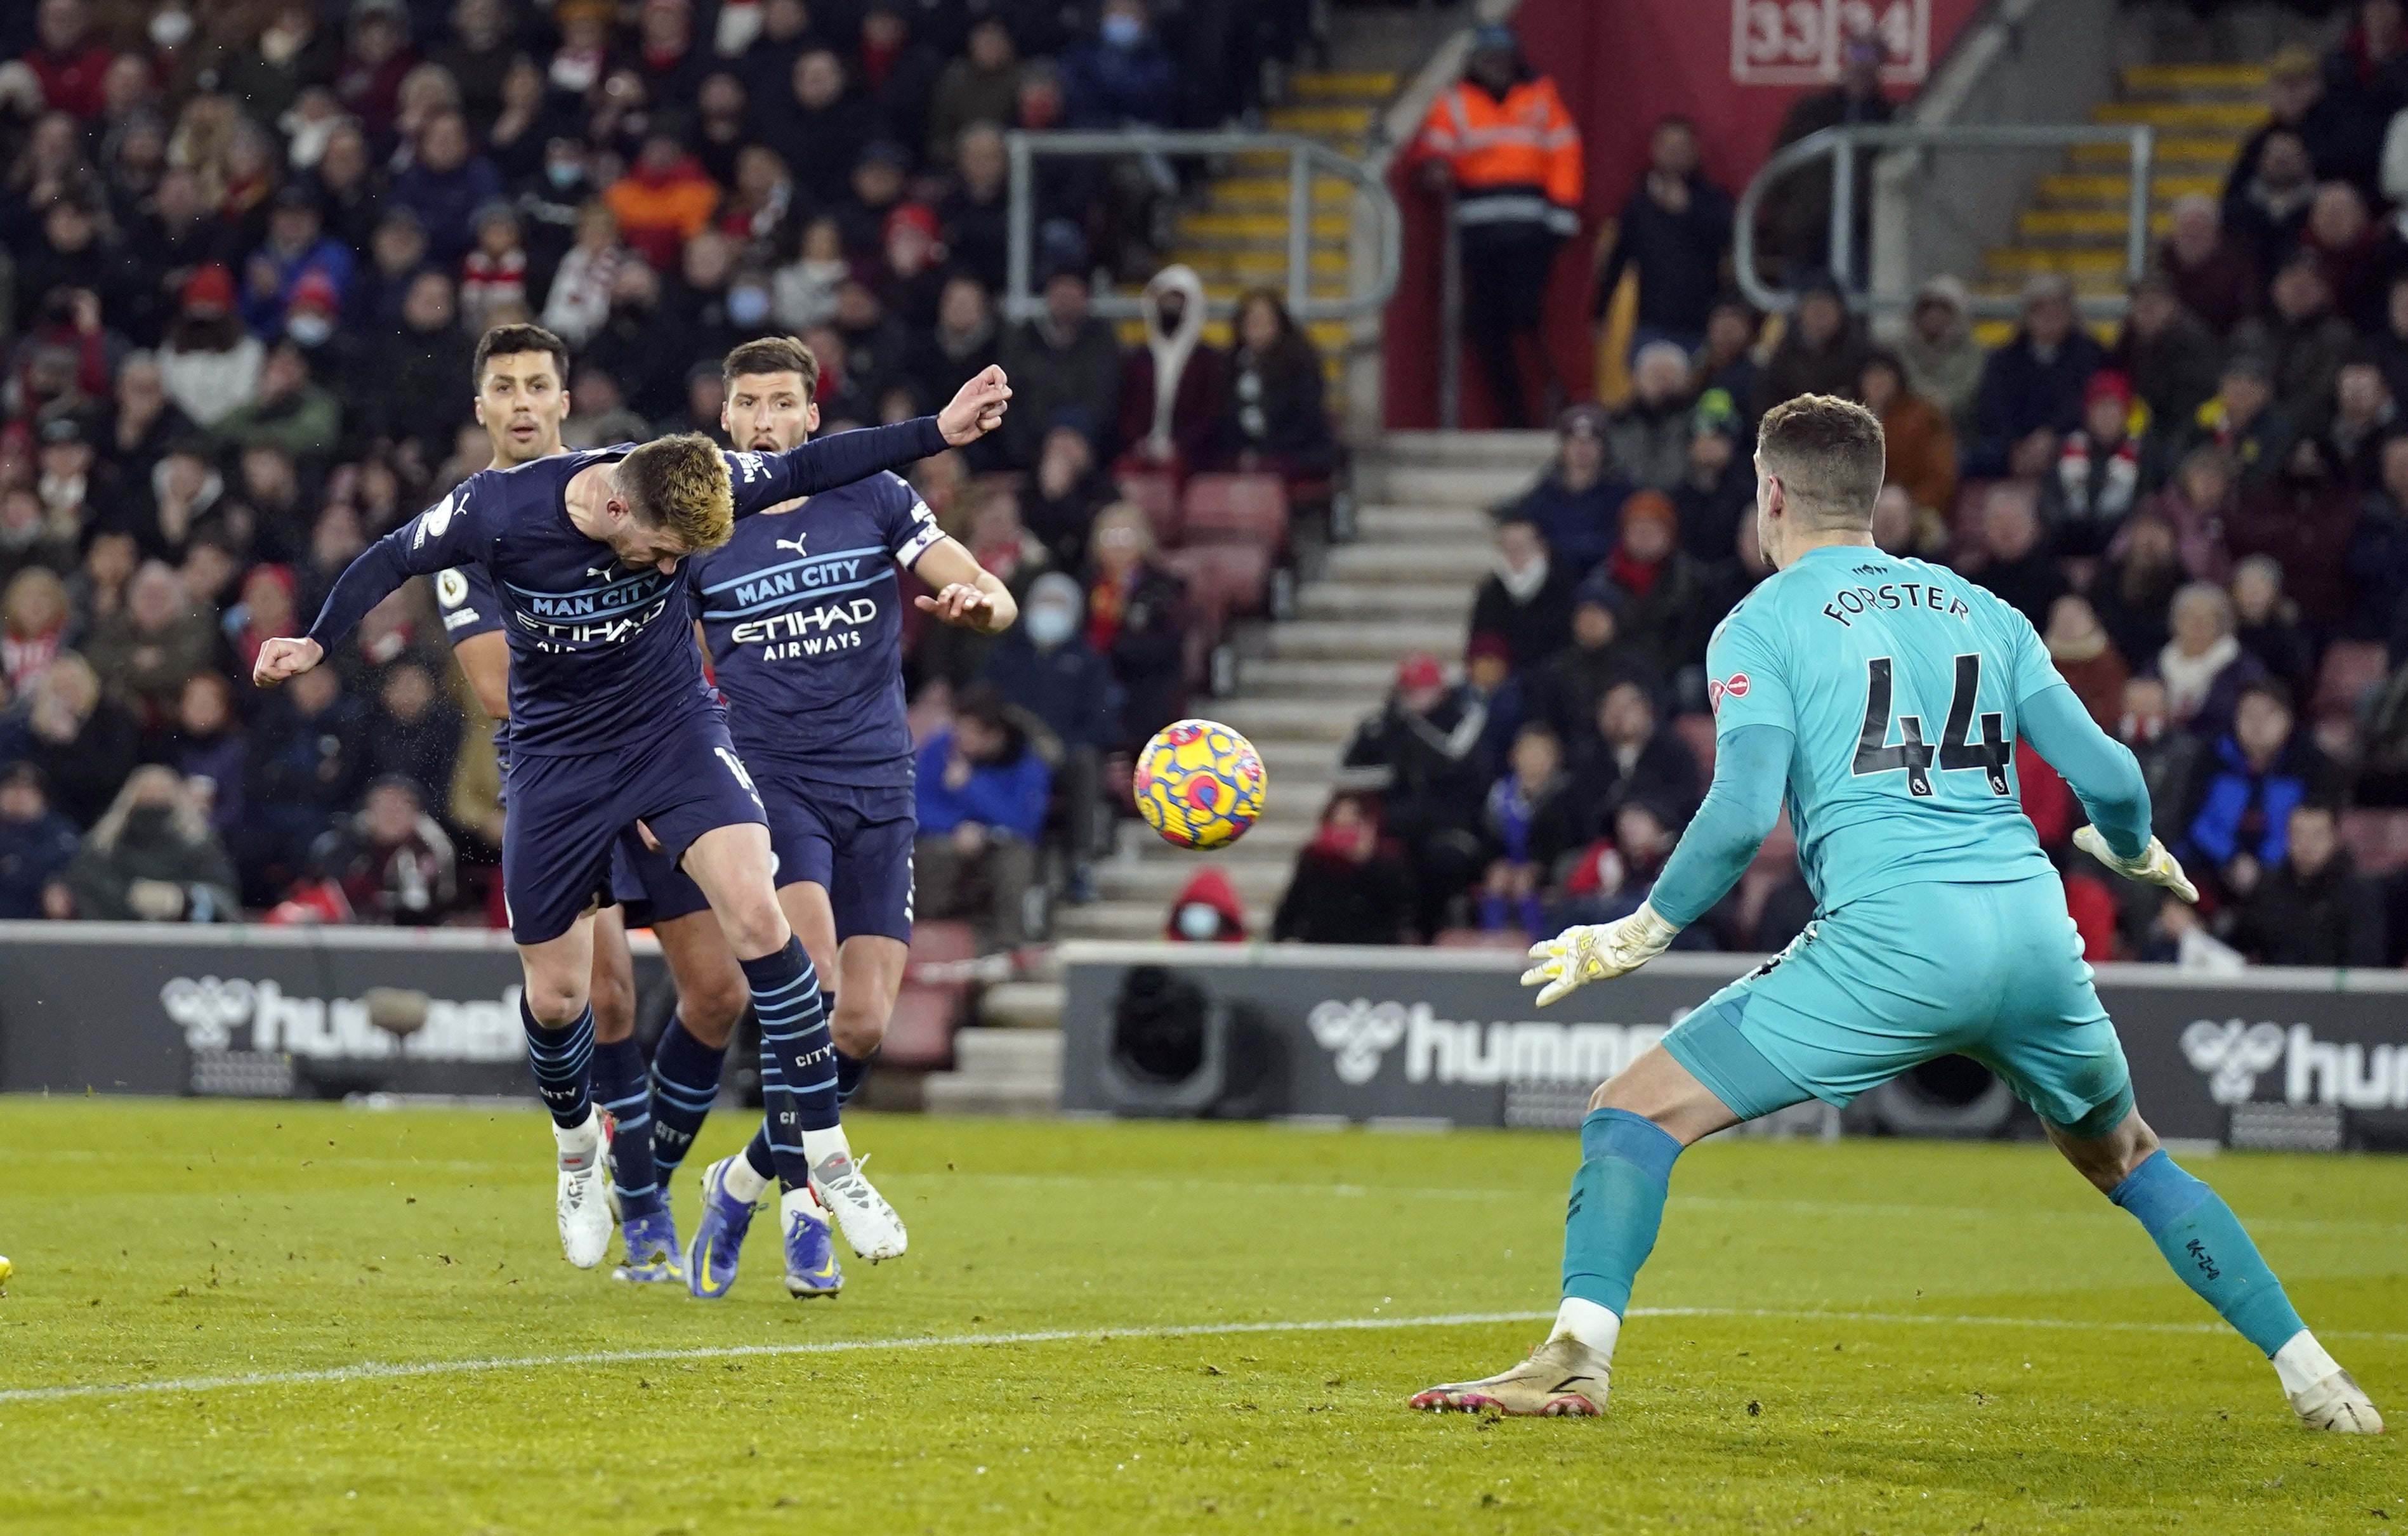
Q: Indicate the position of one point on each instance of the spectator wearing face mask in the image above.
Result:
(1207, 911)
(151, 858)
(1528, 598)
(1171, 386)
(1044, 666)
(1349, 888)
(1670, 606)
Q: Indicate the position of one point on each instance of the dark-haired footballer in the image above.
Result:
(521, 403)
(612, 723)
(802, 611)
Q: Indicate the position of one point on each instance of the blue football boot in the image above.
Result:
(653, 1254)
(710, 1258)
(811, 1269)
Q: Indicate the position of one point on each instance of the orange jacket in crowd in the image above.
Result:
(659, 212)
(1515, 161)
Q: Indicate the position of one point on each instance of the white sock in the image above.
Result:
(2302, 1362)
(820, 1145)
(1594, 1325)
(741, 1182)
(580, 1139)
(803, 1200)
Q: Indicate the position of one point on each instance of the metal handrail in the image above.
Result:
(1840, 142)
(1305, 160)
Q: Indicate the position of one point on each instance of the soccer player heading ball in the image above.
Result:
(1885, 698)
(612, 724)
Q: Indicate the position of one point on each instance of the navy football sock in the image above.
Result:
(793, 1030)
(849, 1070)
(561, 1058)
(757, 1156)
(685, 1084)
(619, 1083)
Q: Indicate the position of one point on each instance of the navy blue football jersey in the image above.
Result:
(803, 613)
(597, 650)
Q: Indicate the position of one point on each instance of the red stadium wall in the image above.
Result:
(1731, 67)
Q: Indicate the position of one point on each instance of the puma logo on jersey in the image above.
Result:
(795, 543)
(597, 570)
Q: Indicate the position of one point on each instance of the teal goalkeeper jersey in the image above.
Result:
(1901, 683)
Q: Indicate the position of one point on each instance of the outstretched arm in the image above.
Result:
(1751, 769)
(436, 540)
(2107, 779)
(764, 480)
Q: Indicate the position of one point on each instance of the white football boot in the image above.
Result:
(1563, 1378)
(868, 1222)
(583, 1203)
(2337, 1403)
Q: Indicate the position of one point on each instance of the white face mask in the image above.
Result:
(747, 305)
(1197, 922)
(309, 329)
(171, 29)
(1048, 624)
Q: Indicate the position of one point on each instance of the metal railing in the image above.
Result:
(1841, 144)
(1306, 161)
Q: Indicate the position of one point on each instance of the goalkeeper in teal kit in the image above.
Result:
(1882, 697)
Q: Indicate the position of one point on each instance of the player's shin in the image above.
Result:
(562, 1060)
(793, 1027)
(2214, 1256)
(619, 1082)
(1609, 1223)
(685, 1084)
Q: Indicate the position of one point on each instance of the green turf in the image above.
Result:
(158, 1241)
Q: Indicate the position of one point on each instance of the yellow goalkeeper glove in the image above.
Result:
(1597, 953)
(2154, 866)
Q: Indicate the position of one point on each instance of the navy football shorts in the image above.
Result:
(854, 842)
(566, 815)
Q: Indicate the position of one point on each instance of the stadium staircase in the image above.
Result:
(2075, 221)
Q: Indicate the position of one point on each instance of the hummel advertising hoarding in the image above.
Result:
(1450, 1035)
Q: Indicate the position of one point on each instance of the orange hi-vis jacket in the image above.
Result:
(1515, 161)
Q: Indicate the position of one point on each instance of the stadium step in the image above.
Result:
(1293, 719)
(1248, 230)
(999, 1072)
(1321, 121)
(1269, 194)
(1417, 562)
(2193, 80)
(1021, 1005)
(1272, 678)
(2200, 154)
(1355, 87)
(1393, 522)
(2177, 117)
(1258, 882)
(1384, 599)
(2113, 189)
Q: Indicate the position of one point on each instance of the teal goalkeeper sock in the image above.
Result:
(1617, 1204)
(2203, 1241)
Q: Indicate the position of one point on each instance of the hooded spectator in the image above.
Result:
(1649, 436)
(2097, 478)
(1171, 387)
(1350, 886)
(1920, 444)
(1943, 361)
(2031, 391)
(1577, 504)
(1422, 754)
(1821, 352)
(1207, 911)
(35, 841)
(2087, 659)
(1528, 597)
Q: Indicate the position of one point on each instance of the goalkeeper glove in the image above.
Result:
(2154, 866)
(1597, 953)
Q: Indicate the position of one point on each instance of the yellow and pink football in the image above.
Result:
(1199, 783)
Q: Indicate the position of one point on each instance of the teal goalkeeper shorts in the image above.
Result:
(1897, 979)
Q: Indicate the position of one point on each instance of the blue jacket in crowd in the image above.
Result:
(1010, 797)
(2020, 394)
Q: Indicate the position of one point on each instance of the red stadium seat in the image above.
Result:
(2351, 668)
(1235, 510)
(1223, 578)
(2377, 840)
(920, 1031)
(1157, 497)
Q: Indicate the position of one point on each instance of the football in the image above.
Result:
(1199, 783)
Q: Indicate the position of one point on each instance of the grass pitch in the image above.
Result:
(1883, 1336)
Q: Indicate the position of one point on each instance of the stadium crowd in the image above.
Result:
(247, 248)
(2203, 511)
